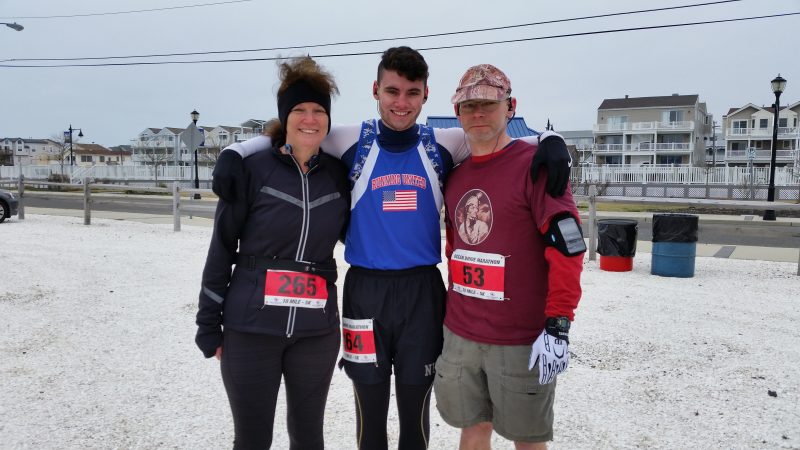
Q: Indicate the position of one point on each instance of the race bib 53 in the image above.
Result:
(477, 274)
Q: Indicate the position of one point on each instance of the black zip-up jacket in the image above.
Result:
(284, 216)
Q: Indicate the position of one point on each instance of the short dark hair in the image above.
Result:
(406, 61)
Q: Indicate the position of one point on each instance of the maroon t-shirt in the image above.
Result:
(498, 272)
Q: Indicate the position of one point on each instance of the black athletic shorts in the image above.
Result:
(407, 312)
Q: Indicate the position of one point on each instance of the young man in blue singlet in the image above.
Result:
(394, 298)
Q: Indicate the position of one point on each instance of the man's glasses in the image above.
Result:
(485, 106)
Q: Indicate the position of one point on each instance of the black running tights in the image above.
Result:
(372, 409)
(252, 366)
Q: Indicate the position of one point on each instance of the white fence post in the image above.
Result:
(176, 206)
(87, 202)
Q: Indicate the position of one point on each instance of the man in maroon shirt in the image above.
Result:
(515, 258)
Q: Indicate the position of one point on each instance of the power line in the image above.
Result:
(133, 11)
(365, 41)
(444, 47)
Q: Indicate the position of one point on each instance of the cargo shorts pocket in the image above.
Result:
(525, 411)
(448, 391)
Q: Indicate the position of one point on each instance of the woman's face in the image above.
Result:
(306, 125)
(472, 208)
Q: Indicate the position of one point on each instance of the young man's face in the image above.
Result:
(483, 121)
(399, 100)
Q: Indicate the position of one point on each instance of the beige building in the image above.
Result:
(748, 135)
(25, 152)
(633, 131)
(88, 155)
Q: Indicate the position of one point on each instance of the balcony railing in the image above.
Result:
(245, 136)
(645, 147)
(682, 147)
(686, 125)
(783, 132)
(781, 155)
(612, 148)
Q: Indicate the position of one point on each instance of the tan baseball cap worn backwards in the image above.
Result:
(482, 82)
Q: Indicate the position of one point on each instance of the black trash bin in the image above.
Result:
(674, 245)
(616, 244)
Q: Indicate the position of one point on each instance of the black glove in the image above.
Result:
(553, 154)
(228, 175)
(558, 327)
(208, 339)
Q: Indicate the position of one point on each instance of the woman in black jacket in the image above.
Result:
(276, 313)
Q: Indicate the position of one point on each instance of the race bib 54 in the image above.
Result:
(358, 339)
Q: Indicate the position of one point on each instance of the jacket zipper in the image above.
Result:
(301, 245)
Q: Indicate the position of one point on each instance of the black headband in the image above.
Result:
(301, 92)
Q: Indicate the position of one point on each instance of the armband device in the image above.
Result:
(565, 234)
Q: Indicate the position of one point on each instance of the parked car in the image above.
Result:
(8, 205)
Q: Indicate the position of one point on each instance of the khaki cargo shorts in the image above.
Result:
(491, 383)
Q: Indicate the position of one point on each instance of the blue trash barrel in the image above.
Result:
(674, 245)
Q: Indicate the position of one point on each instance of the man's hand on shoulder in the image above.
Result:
(228, 176)
(552, 154)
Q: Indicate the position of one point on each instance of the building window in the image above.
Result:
(783, 123)
(102, 159)
(737, 146)
(739, 127)
(758, 144)
(669, 159)
(672, 116)
(86, 158)
(672, 139)
(617, 122)
(763, 123)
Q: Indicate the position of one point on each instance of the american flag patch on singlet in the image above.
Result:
(400, 200)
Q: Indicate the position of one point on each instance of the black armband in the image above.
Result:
(565, 234)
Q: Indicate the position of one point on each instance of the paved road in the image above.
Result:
(118, 203)
(721, 232)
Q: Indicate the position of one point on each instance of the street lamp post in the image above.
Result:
(13, 26)
(80, 135)
(195, 115)
(778, 85)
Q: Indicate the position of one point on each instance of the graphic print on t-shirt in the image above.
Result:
(473, 217)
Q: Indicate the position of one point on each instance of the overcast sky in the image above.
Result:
(564, 79)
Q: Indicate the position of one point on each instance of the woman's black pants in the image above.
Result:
(252, 366)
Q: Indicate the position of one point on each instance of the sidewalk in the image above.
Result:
(745, 252)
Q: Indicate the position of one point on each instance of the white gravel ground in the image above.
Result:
(97, 350)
